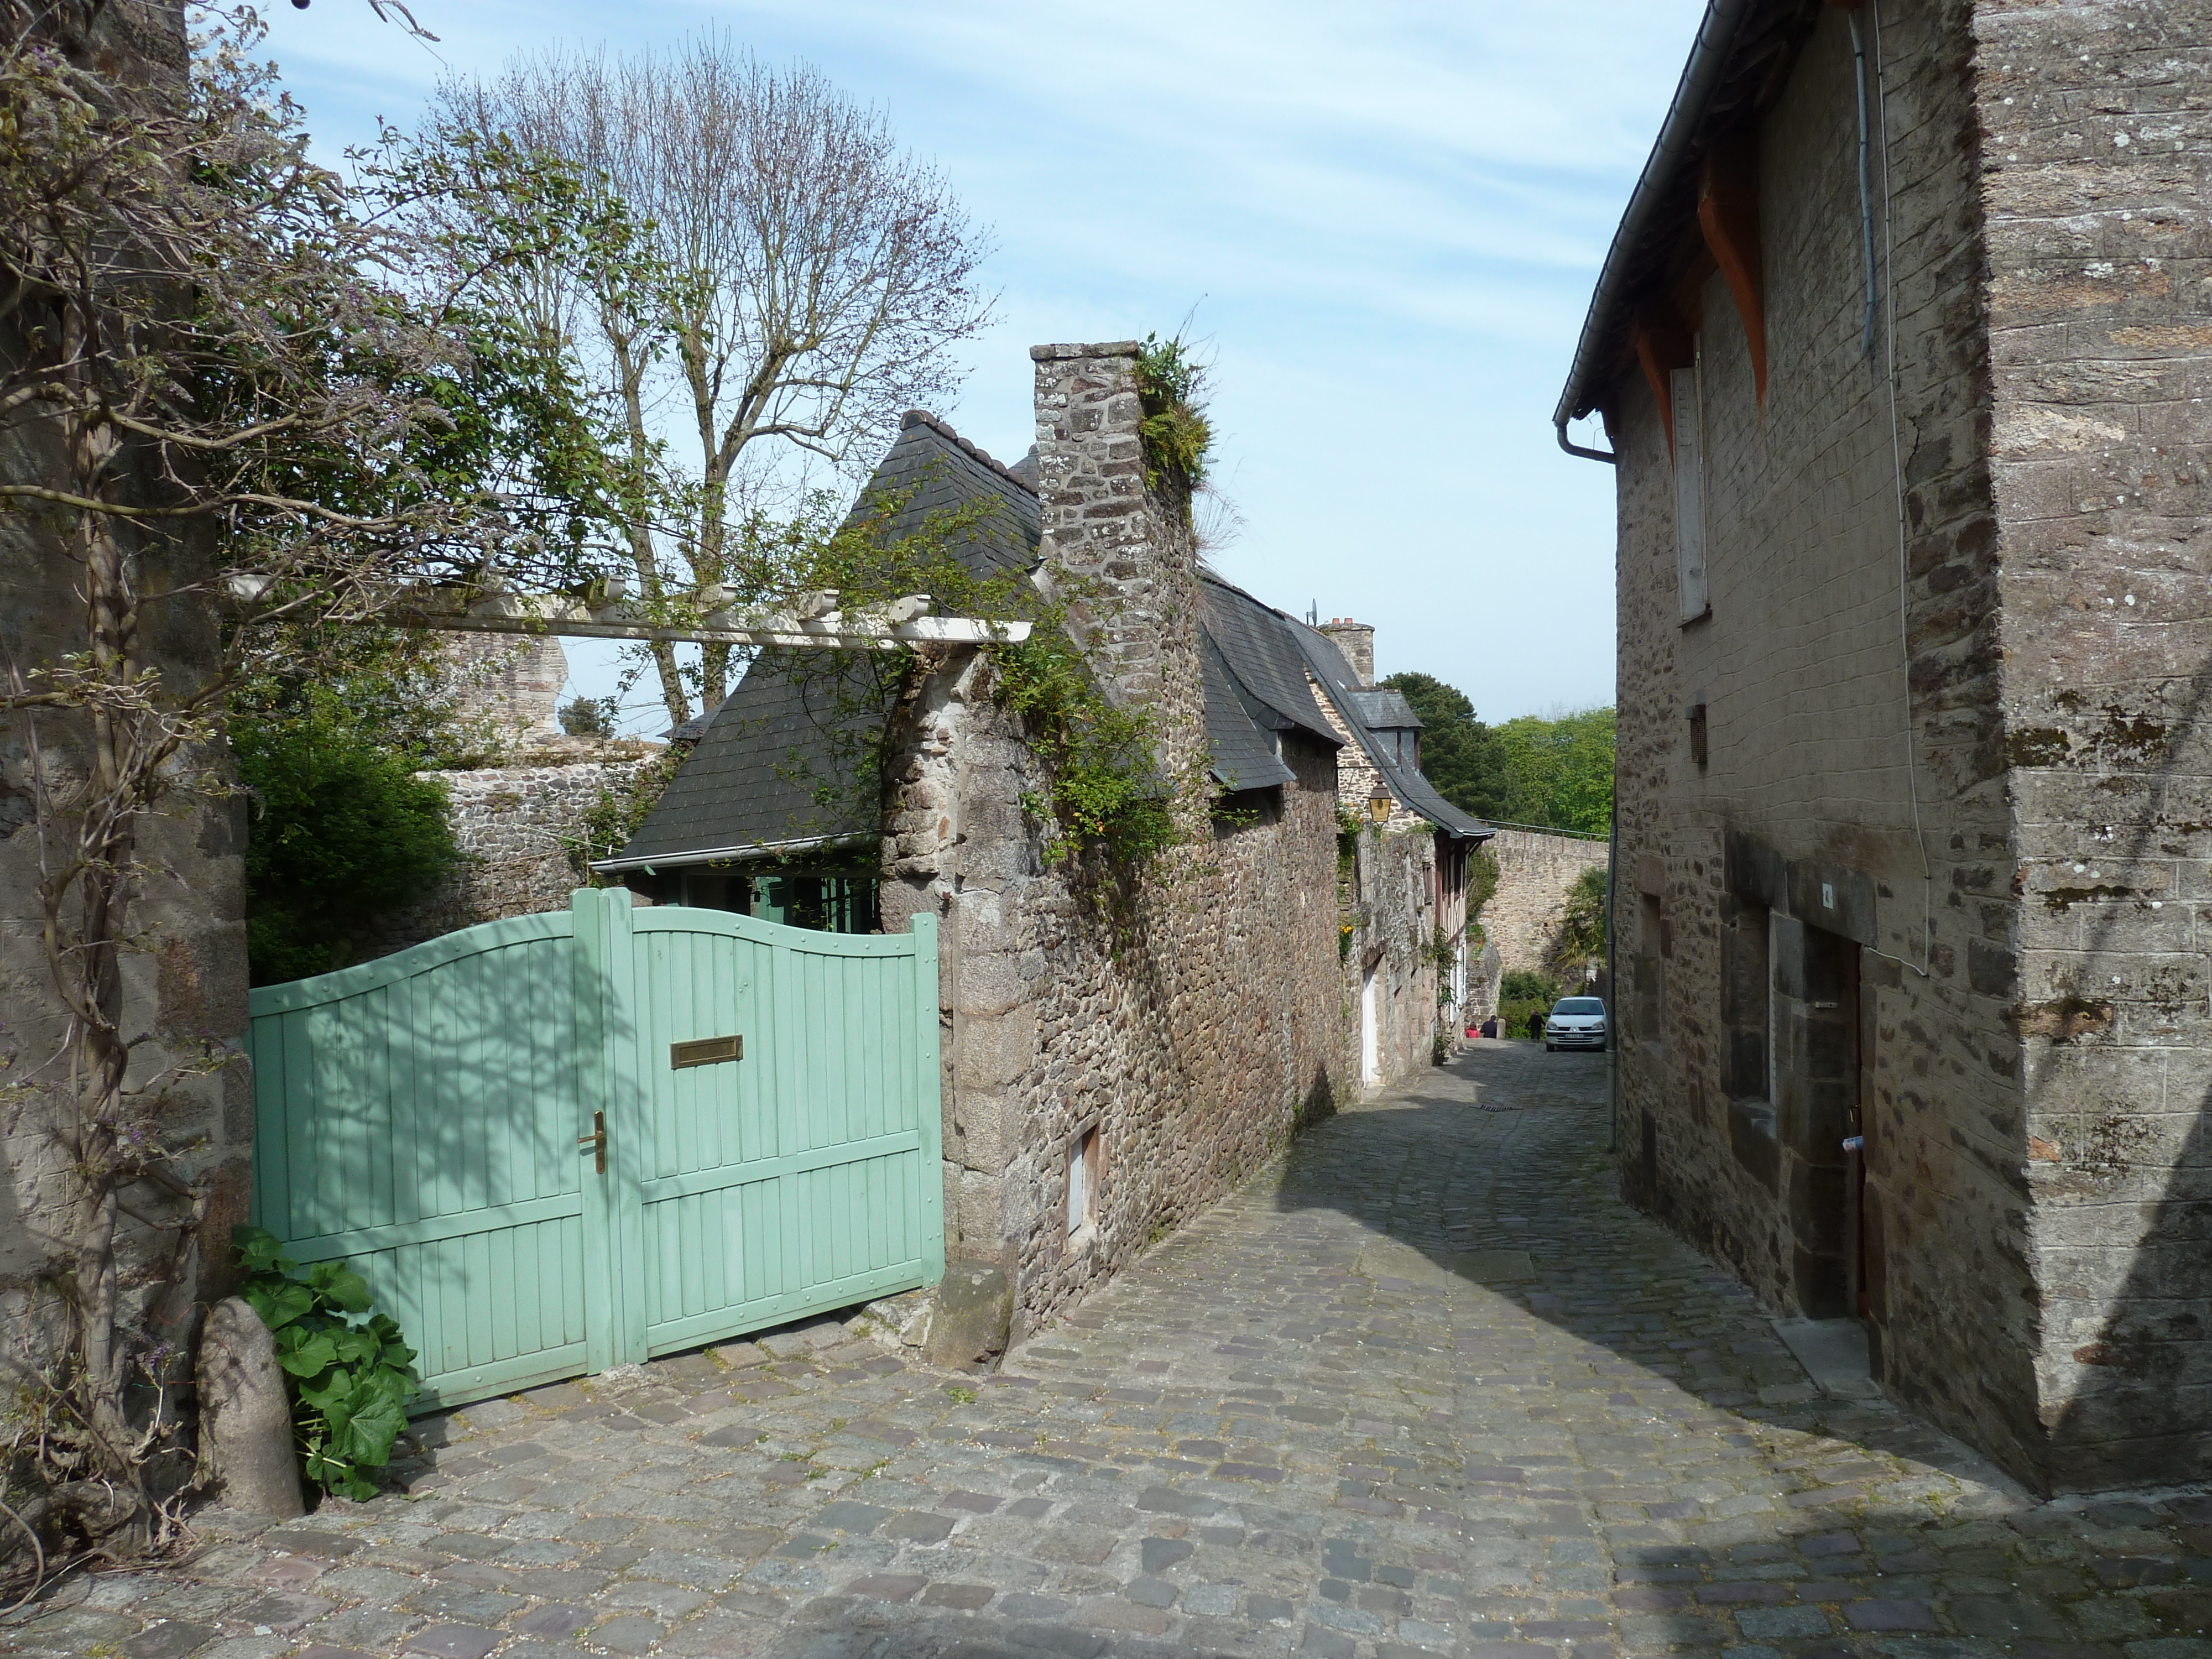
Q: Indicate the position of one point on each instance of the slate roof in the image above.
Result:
(1415, 792)
(1240, 755)
(1386, 711)
(775, 766)
(1256, 643)
(945, 472)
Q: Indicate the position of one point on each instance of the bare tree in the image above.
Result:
(795, 277)
(221, 391)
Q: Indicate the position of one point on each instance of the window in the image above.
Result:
(1082, 1187)
(827, 901)
(1685, 385)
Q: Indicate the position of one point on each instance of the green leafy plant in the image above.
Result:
(609, 821)
(1105, 791)
(351, 1373)
(1173, 430)
(344, 834)
(1521, 993)
(1581, 924)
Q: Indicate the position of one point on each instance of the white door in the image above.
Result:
(1371, 1029)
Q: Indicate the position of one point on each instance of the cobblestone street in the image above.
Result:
(1429, 1388)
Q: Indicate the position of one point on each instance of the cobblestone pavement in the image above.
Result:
(1429, 1388)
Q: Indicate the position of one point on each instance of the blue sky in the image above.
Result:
(1388, 219)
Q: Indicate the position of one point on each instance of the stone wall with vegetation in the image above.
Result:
(1536, 873)
(1391, 902)
(1189, 1014)
(514, 826)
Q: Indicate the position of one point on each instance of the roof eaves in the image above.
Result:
(1713, 56)
(728, 854)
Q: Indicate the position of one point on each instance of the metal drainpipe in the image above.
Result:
(1611, 986)
(1866, 188)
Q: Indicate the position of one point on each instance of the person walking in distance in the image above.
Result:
(1536, 1024)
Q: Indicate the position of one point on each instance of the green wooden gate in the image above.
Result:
(769, 1097)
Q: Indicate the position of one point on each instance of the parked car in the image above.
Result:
(1575, 1022)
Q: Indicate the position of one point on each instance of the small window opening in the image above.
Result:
(1081, 1186)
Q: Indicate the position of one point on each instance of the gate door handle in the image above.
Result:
(596, 1140)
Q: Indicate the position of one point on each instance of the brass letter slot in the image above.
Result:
(705, 1051)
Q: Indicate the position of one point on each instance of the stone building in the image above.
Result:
(1403, 932)
(1898, 348)
(1117, 1050)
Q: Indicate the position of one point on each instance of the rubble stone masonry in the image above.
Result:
(1191, 1020)
(1536, 873)
(1940, 881)
(514, 824)
(2096, 181)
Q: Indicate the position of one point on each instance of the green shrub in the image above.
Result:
(351, 1373)
(1521, 993)
(1173, 429)
(342, 834)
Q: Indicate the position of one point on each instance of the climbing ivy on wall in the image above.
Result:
(1105, 791)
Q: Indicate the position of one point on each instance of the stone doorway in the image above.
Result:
(1370, 1027)
(1817, 1088)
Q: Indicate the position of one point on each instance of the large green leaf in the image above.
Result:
(278, 1301)
(372, 1429)
(316, 1354)
(341, 1285)
(260, 1251)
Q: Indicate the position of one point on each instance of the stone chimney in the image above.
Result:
(1357, 642)
(1102, 526)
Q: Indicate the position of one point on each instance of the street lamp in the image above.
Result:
(1379, 805)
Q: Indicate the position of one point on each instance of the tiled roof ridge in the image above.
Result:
(973, 451)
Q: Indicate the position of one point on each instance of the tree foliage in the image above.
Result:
(344, 834)
(1582, 926)
(1558, 771)
(772, 277)
(1554, 772)
(1459, 754)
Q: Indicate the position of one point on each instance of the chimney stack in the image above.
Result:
(1136, 611)
(1357, 642)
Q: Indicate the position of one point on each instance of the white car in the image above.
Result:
(1575, 1023)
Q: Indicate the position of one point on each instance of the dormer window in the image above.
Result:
(1396, 727)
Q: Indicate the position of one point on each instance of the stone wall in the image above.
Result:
(184, 979)
(513, 824)
(506, 690)
(1190, 1021)
(1535, 874)
(1393, 908)
(2096, 170)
